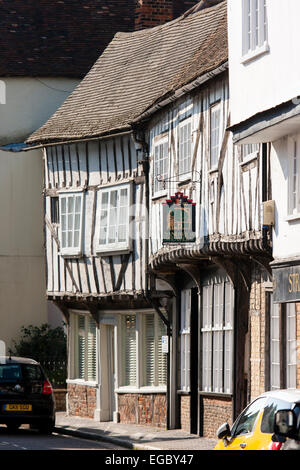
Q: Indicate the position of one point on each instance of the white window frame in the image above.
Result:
(185, 340)
(214, 161)
(141, 356)
(249, 152)
(117, 246)
(218, 330)
(255, 29)
(70, 250)
(164, 161)
(184, 175)
(293, 177)
(75, 368)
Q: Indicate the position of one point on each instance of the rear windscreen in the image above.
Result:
(10, 372)
(15, 372)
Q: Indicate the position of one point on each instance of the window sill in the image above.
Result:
(71, 255)
(258, 52)
(249, 158)
(86, 383)
(293, 217)
(184, 179)
(159, 195)
(141, 390)
(113, 251)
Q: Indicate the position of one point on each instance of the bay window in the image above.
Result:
(185, 340)
(217, 336)
(84, 347)
(143, 362)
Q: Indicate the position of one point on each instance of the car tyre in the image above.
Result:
(12, 427)
(46, 427)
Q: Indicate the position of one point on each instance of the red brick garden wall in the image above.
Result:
(81, 400)
(146, 409)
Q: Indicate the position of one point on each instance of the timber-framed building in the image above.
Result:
(159, 326)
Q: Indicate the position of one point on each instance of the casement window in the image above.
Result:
(161, 165)
(71, 215)
(215, 134)
(293, 178)
(217, 337)
(84, 347)
(185, 340)
(255, 28)
(143, 361)
(184, 148)
(249, 151)
(283, 346)
(113, 219)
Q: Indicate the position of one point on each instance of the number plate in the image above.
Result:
(15, 407)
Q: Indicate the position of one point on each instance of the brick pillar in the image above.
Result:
(151, 13)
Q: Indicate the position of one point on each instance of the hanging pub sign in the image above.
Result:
(179, 215)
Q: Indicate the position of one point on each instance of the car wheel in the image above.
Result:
(46, 427)
(13, 426)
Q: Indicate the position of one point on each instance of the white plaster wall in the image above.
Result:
(29, 102)
(286, 232)
(272, 78)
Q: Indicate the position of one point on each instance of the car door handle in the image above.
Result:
(243, 445)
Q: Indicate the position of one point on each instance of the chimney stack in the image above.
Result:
(150, 13)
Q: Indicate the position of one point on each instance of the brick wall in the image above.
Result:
(216, 411)
(257, 318)
(60, 399)
(149, 13)
(185, 412)
(81, 400)
(146, 409)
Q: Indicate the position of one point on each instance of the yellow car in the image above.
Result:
(254, 428)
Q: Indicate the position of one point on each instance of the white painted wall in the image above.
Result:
(28, 103)
(272, 78)
(287, 229)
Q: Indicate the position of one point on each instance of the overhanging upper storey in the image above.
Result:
(269, 125)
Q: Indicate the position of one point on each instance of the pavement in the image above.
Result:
(131, 436)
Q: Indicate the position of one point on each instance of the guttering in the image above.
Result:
(75, 141)
(182, 91)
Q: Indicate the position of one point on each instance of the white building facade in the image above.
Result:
(265, 108)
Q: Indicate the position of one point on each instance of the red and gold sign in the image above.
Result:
(179, 219)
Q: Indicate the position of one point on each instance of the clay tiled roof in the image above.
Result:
(135, 71)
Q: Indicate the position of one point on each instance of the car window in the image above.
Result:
(10, 372)
(32, 372)
(246, 421)
(272, 405)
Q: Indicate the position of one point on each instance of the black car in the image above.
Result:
(26, 395)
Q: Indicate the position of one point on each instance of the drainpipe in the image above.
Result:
(142, 146)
